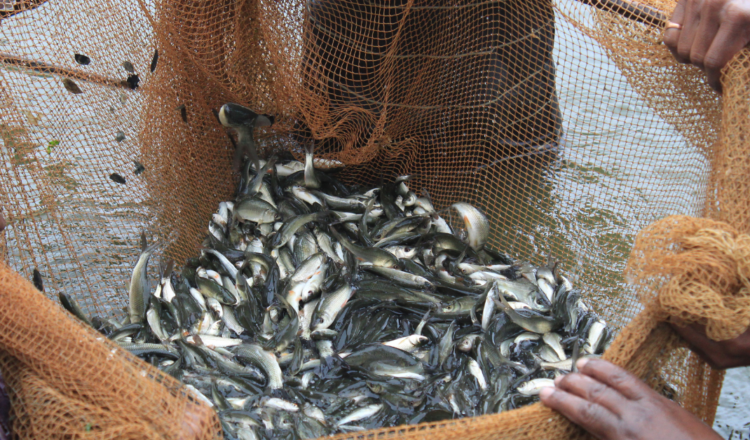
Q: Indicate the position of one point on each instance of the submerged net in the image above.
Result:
(571, 127)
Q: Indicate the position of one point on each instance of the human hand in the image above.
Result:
(612, 404)
(712, 32)
(719, 354)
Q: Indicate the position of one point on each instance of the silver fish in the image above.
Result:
(360, 414)
(138, 289)
(534, 387)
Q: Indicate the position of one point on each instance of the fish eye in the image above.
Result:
(407, 249)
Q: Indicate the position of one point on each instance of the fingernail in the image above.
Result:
(546, 392)
(581, 363)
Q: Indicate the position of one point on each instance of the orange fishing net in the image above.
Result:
(572, 127)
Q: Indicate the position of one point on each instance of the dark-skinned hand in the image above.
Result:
(712, 33)
(719, 354)
(612, 404)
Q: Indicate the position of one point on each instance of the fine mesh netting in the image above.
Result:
(571, 126)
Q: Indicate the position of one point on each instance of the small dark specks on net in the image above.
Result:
(117, 178)
(128, 66)
(154, 60)
(139, 168)
(183, 112)
(133, 81)
(71, 86)
(37, 280)
(120, 136)
(82, 59)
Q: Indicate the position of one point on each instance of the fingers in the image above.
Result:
(690, 23)
(672, 35)
(712, 352)
(592, 390)
(730, 38)
(705, 32)
(712, 32)
(610, 374)
(592, 417)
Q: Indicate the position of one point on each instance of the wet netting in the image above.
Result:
(569, 124)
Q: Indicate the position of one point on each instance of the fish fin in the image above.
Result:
(144, 242)
(263, 121)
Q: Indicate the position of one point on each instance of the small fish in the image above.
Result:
(82, 59)
(133, 81)
(276, 403)
(72, 306)
(37, 280)
(446, 343)
(243, 121)
(152, 317)
(477, 225)
(117, 178)
(534, 387)
(403, 278)
(596, 338)
(139, 283)
(408, 343)
(311, 181)
(290, 228)
(200, 395)
(154, 60)
(183, 112)
(377, 257)
(554, 341)
(71, 86)
(532, 322)
(476, 371)
(314, 412)
(489, 308)
(264, 360)
(128, 66)
(255, 210)
(330, 306)
(360, 414)
(213, 341)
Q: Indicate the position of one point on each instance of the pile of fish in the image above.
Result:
(317, 308)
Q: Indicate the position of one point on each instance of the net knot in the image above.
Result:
(694, 270)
